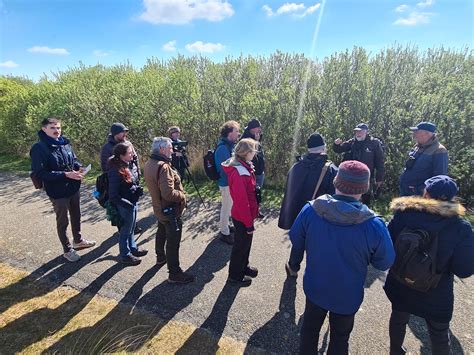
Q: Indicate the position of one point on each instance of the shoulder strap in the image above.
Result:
(321, 177)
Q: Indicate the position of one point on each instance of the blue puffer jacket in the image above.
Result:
(425, 161)
(455, 254)
(50, 159)
(122, 193)
(341, 236)
(221, 154)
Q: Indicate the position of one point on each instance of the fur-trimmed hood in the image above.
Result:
(416, 203)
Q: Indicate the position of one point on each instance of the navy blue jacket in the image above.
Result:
(108, 150)
(455, 254)
(425, 161)
(122, 193)
(50, 159)
(341, 236)
(259, 158)
(221, 154)
(300, 184)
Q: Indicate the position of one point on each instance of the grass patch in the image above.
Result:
(14, 164)
(64, 320)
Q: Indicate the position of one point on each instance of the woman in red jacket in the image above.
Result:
(242, 186)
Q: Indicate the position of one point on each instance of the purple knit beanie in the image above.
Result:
(352, 178)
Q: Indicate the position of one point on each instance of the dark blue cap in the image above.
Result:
(441, 187)
(426, 126)
(361, 126)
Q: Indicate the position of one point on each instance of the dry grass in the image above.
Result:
(65, 320)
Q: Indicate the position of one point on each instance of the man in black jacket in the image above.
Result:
(301, 184)
(366, 149)
(53, 162)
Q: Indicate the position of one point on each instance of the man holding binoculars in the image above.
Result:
(169, 202)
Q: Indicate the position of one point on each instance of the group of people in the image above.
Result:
(325, 208)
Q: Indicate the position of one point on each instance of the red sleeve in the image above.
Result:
(238, 189)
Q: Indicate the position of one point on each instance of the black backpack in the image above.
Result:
(101, 189)
(415, 260)
(210, 167)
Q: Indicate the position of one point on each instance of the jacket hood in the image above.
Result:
(50, 141)
(341, 212)
(312, 160)
(416, 203)
(234, 163)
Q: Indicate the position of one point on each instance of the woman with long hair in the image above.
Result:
(124, 192)
(242, 187)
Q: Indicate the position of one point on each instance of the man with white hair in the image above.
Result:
(169, 202)
(428, 158)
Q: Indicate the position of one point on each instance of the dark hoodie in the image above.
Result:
(300, 184)
(341, 236)
(259, 159)
(50, 159)
(455, 254)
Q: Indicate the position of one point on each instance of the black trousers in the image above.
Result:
(167, 237)
(61, 208)
(340, 326)
(439, 334)
(239, 259)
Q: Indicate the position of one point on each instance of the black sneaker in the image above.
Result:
(251, 271)
(246, 281)
(139, 252)
(160, 260)
(130, 260)
(228, 239)
(137, 230)
(260, 215)
(181, 278)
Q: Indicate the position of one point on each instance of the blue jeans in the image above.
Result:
(296, 257)
(126, 235)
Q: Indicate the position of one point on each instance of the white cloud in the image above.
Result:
(48, 50)
(312, 9)
(9, 64)
(179, 12)
(169, 46)
(402, 8)
(290, 7)
(414, 18)
(204, 47)
(268, 10)
(101, 53)
(426, 3)
(293, 9)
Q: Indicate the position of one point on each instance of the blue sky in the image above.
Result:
(44, 36)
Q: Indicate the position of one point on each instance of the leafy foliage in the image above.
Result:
(390, 90)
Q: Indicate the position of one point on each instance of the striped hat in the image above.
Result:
(352, 178)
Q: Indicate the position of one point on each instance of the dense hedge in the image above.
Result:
(390, 90)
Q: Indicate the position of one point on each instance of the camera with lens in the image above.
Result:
(179, 146)
(258, 194)
(170, 211)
